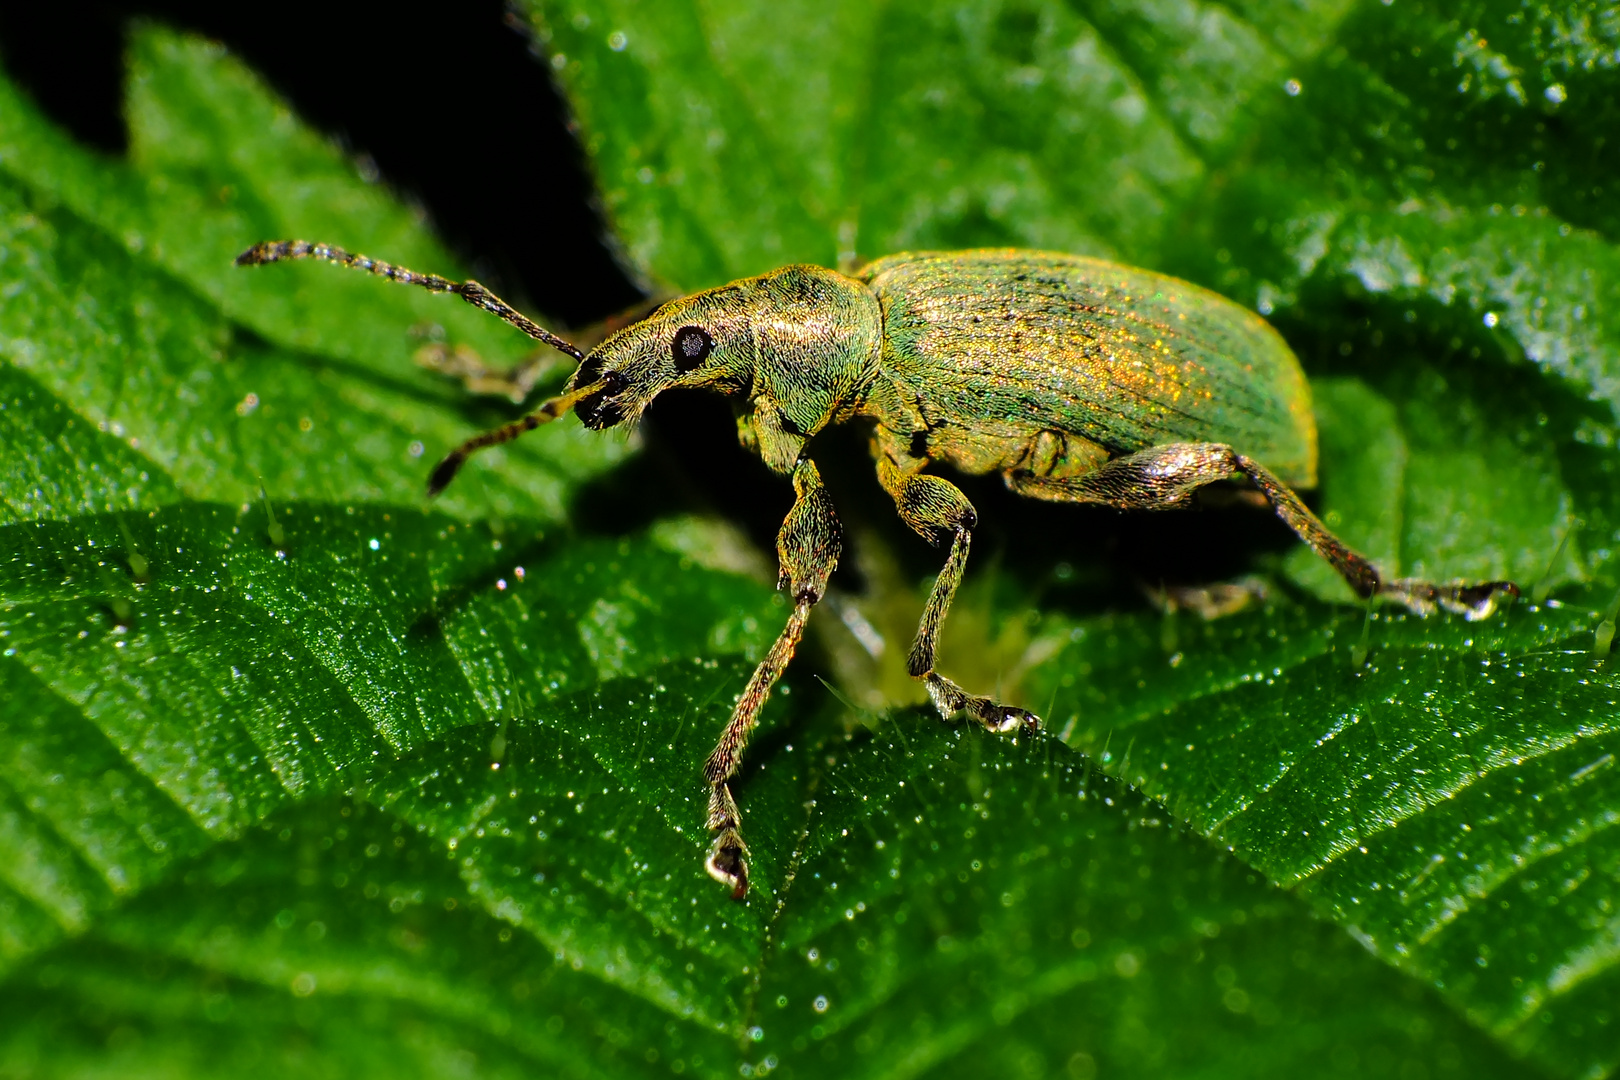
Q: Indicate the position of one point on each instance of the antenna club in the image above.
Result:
(445, 472)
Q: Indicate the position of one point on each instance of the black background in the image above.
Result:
(446, 98)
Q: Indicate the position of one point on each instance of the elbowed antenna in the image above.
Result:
(269, 251)
(547, 411)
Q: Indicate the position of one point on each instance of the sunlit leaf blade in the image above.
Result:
(1029, 950)
(1416, 195)
(1408, 150)
(1451, 156)
(1407, 797)
(903, 944)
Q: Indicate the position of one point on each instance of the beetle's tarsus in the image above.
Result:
(1479, 601)
(728, 862)
(1473, 601)
(951, 699)
(1209, 602)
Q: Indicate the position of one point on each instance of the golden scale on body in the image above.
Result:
(1077, 380)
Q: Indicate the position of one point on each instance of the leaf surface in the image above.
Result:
(339, 781)
(1415, 195)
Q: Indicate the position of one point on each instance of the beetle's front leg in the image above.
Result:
(808, 548)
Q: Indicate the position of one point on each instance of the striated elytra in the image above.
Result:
(1076, 379)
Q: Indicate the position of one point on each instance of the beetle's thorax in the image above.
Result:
(801, 344)
(816, 340)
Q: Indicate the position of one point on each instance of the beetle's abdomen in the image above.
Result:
(1012, 341)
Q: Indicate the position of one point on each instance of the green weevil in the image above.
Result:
(1076, 379)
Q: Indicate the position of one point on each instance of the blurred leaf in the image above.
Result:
(300, 378)
(332, 782)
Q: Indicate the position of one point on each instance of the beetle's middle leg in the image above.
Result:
(1163, 477)
(938, 510)
(808, 546)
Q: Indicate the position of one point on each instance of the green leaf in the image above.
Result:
(1397, 148)
(1416, 196)
(335, 781)
(300, 379)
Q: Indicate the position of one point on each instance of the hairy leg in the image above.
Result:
(515, 383)
(808, 547)
(1163, 477)
(937, 510)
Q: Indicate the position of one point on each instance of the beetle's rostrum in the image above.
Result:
(1076, 379)
(598, 407)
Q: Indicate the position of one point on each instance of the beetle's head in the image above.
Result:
(700, 340)
(801, 340)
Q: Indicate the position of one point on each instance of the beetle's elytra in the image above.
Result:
(1077, 380)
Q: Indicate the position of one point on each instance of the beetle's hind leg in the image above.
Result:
(1162, 477)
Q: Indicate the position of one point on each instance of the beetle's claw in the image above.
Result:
(1001, 718)
(1004, 718)
(1472, 601)
(728, 862)
(1475, 602)
(951, 699)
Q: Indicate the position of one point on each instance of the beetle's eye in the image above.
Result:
(691, 345)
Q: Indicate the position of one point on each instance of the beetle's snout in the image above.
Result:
(604, 408)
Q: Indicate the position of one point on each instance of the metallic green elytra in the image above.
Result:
(1076, 379)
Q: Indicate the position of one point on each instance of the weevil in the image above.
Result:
(1078, 380)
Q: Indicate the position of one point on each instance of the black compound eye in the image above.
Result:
(691, 345)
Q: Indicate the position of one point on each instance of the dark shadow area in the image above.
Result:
(1080, 558)
(447, 99)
